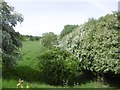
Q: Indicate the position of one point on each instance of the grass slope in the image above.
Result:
(28, 69)
(30, 51)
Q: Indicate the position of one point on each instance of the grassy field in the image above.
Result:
(28, 69)
(30, 51)
(13, 84)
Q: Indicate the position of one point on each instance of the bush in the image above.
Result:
(100, 46)
(96, 44)
(59, 67)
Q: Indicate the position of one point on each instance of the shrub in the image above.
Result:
(96, 44)
(59, 67)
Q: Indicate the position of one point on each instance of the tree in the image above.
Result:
(49, 39)
(67, 29)
(10, 39)
(37, 38)
(31, 38)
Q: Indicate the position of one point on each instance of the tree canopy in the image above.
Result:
(67, 29)
(49, 39)
(10, 39)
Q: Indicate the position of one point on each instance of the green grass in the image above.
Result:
(9, 83)
(30, 51)
(92, 85)
(13, 84)
(28, 67)
(0, 83)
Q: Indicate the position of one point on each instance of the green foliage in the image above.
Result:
(33, 38)
(59, 67)
(10, 39)
(23, 38)
(29, 37)
(96, 44)
(100, 45)
(67, 29)
(27, 68)
(49, 39)
(37, 38)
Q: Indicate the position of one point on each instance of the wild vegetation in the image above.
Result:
(61, 67)
(96, 45)
(84, 56)
(28, 69)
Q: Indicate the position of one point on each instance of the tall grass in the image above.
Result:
(9, 83)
